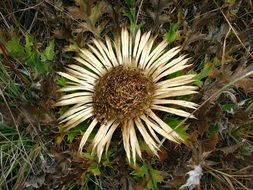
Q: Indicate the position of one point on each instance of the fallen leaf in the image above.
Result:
(246, 84)
(163, 155)
(210, 143)
(32, 114)
(231, 149)
(58, 139)
(76, 12)
(35, 181)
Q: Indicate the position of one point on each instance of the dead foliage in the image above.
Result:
(217, 35)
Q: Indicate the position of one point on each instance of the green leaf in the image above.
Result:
(97, 12)
(33, 60)
(228, 107)
(130, 15)
(172, 35)
(174, 124)
(199, 83)
(72, 47)
(181, 131)
(48, 53)
(213, 128)
(130, 3)
(140, 172)
(87, 155)
(208, 67)
(28, 43)
(152, 176)
(16, 50)
(61, 81)
(231, 2)
(156, 178)
(40, 68)
(132, 18)
(76, 131)
(72, 135)
(30, 55)
(94, 169)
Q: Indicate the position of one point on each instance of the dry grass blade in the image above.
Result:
(228, 179)
(216, 37)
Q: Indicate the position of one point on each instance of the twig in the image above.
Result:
(224, 50)
(5, 22)
(12, 117)
(138, 13)
(234, 31)
(34, 18)
(28, 8)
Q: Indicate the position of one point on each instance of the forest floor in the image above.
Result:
(38, 38)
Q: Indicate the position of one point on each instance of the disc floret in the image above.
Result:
(123, 93)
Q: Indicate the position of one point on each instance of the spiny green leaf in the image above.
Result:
(15, 49)
(130, 3)
(174, 123)
(132, 18)
(208, 67)
(130, 15)
(181, 131)
(213, 128)
(97, 12)
(76, 131)
(156, 178)
(28, 43)
(48, 53)
(87, 155)
(30, 55)
(140, 172)
(72, 47)
(61, 81)
(152, 176)
(228, 107)
(172, 35)
(94, 169)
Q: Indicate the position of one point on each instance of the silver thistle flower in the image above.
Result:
(118, 84)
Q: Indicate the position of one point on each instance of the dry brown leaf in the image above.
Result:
(35, 181)
(58, 139)
(33, 115)
(163, 155)
(246, 84)
(76, 12)
(176, 182)
(140, 186)
(244, 72)
(210, 143)
(220, 185)
(231, 149)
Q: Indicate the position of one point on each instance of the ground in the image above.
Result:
(38, 38)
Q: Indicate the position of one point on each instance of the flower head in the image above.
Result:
(120, 85)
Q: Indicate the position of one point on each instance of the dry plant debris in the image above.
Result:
(38, 39)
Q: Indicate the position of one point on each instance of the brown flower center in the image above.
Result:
(123, 93)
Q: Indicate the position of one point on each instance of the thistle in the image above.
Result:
(120, 85)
